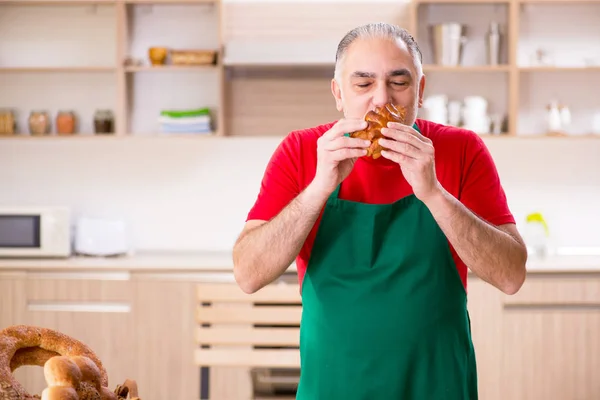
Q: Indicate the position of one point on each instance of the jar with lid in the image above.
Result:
(8, 124)
(104, 121)
(65, 122)
(39, 123)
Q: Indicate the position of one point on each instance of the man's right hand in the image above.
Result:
(336, 154)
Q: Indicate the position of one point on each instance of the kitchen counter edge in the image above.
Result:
(223, 262)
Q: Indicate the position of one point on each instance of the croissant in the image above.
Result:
(377, 119)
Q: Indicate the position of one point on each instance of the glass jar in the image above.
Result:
(8, 124)
(65, 123)
(39, 123)
(104, 121)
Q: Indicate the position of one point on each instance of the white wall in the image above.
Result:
(194, 194)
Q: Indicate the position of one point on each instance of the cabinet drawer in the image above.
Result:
(79, 287)
(559, 290)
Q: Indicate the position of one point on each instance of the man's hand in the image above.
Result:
(336, 154)
(415, 155)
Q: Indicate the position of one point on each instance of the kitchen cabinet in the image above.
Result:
(12, 298)
(542, 343)
(95, 308)
(551, 339)
(165, 321)
(485, 312)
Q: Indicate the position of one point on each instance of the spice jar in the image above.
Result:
(8, 123)
(39, 123)
(104, 121)
(65, 122)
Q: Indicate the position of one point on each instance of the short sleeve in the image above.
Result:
(279, 185)
(481, 189)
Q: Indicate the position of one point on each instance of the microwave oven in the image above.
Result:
(35, 231)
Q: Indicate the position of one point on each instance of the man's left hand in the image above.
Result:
(415, 155)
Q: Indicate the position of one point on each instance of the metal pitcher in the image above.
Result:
(447, 43)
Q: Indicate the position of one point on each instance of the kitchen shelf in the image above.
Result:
(251, 85)
(169, 68)
(462, 1)
(169, 1)
(559, 69)
(558, 1)
(526, 26)
(57, 69)
(127, 136)
(466, 68)
(57, 2)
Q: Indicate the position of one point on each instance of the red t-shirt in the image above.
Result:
(464, 167)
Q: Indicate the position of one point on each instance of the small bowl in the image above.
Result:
(157, 55)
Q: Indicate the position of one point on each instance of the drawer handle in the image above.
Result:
(278, 380)
(99, 307)
(552, 306)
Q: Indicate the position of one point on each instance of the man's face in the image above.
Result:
(375, 72)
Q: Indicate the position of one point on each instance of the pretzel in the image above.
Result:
(376, 120)
(22, 341)
(71, 369)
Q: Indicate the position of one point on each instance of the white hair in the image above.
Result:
(376, 30)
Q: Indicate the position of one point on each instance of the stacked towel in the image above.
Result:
(185, 121)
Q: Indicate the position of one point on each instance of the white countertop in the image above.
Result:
(182, 261)
(222, 262)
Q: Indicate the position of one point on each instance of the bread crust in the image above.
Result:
(376, 120)
(30, 345)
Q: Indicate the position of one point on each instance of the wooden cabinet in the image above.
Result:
(551, 339)
(165, 320)
(485, 312)
(95, 308)
(542, 343)
(12, 298)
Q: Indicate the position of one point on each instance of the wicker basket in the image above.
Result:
(193, 57)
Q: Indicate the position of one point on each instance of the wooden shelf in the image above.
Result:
(245, 94)
(57, 69)
(170, 1)
(99, 136)
(57, 2)
(560, 69)
(558, 1)
(462, 1)
(169, 68)
(466, 68)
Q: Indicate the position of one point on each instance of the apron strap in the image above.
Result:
(336, 192)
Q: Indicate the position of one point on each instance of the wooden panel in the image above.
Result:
(232, 293)
(485, 312)
(268, 20)
(249, 336)
(274, 107)
(288, 358)
(12, 299)
(78, 286)
(84, 310)
(254, 315)
(551, 355)
(164, 360)
(548, 290)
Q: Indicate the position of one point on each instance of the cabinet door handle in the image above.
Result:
(275, 380)
(69, 306)
(552, 307)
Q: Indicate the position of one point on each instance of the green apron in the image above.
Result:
(384, 310)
